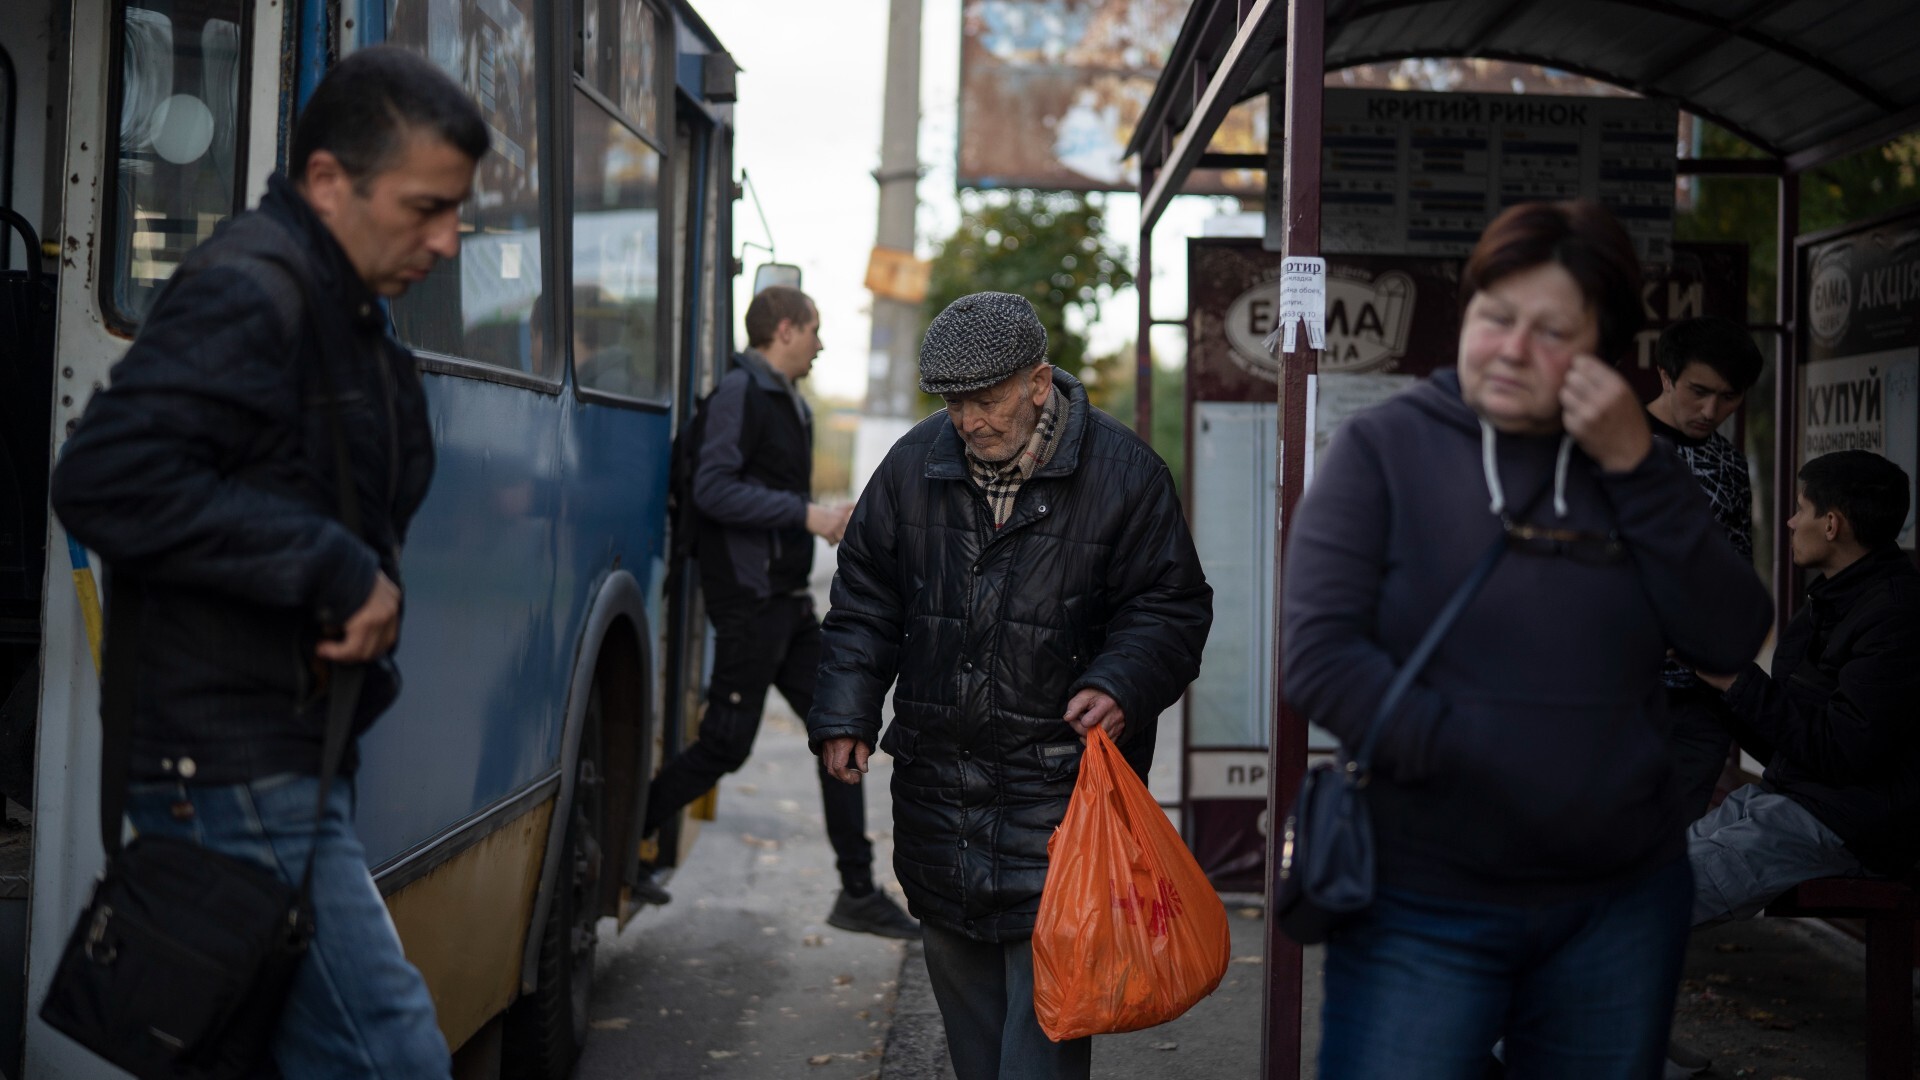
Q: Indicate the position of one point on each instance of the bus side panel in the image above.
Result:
(482, 656)
(465, 924)
(618, 514)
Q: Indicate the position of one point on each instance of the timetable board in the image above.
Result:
(1406, 173)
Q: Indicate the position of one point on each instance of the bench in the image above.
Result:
(1889, 909)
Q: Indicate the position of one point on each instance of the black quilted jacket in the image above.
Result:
(204, 475)
(1092, 582)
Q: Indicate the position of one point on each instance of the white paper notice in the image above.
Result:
(1303, 299)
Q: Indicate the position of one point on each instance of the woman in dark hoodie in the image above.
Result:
(1533, 877)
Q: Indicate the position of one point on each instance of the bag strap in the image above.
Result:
(1361, 762)
(126, 604)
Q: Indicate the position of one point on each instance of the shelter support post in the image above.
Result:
(1786, 417)
(1300, 204)
(1143, 345)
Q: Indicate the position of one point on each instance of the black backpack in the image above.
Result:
(683, 461)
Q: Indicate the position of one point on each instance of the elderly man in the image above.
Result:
(1021, 565)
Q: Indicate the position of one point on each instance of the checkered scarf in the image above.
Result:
(1001, 481)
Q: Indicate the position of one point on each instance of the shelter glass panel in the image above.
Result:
(485, 303)
(616, 258)
(181, 120)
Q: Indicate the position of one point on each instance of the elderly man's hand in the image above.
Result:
(845, 758)
(1091, 708)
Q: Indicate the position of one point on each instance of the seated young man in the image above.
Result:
(1836, 722)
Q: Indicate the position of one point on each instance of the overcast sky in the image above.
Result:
(808, 124)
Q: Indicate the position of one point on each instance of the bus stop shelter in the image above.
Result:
(1806, 82)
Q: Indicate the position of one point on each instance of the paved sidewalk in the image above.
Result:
(1772, 999)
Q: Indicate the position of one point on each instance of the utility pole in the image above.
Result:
(893, 358)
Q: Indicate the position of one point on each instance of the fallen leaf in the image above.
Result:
(616, 1023)
(722, 1055)
(1164, 1046)
(1759, 1016)
(820, 1059)
(1250, 913)
(1249, 960)
(813, 941)
(842, 980)
(747, 789)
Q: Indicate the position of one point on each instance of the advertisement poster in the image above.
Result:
(1860, 388)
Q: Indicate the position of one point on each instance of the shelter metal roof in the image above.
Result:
(1804, 80)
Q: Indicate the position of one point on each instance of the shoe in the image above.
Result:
(647, 889)
(1684, 1061)
(874, 913)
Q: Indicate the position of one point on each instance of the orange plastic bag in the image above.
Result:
(1131, 933)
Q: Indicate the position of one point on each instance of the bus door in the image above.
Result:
(155, 131)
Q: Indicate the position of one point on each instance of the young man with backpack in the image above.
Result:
(751, 465)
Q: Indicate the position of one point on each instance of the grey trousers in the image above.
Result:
(985, 991)
(1755, 846)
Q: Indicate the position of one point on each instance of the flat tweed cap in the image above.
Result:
(978, 341)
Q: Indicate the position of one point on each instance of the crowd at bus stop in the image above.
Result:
(1018, 572)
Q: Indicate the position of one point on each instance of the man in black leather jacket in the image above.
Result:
(205, 478)
(1020, 563)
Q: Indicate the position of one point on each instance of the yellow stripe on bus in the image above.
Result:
(89, 612)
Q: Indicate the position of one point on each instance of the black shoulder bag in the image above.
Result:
(1326, 847)
(184, 957)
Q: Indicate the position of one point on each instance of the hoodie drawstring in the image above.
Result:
(1560, 476)
(1489, 466)
(1498, 504)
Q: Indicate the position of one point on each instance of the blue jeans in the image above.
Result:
(358, 1009)
(985, 991)
(1423, 986)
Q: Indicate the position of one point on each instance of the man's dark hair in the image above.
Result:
(1587, 241)
(372, 102)
(1721, 344)
(772, 304)
(1872, 493)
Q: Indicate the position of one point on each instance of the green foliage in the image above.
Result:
(1049, 247)
(1746, 209)
(1113, 391)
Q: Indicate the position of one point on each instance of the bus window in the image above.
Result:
(618, 56)
(616, 257)
(481, 304)
(180, 128)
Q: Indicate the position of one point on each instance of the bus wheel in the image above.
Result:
(544, 1031)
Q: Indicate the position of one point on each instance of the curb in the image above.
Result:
(916, 1040)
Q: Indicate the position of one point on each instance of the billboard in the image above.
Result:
(1860, 310)
(1051, 90)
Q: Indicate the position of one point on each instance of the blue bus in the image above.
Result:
(551, 654)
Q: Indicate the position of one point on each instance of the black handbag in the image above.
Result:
(183, 959)
(1326, 846)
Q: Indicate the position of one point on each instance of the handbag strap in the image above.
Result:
(1359, 764)
(125, 618)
